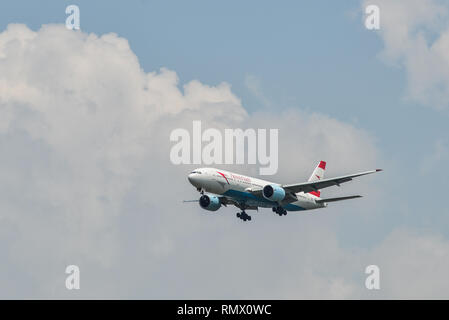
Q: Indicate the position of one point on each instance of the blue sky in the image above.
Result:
(314, 56)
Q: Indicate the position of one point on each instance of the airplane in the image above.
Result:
(222, 188)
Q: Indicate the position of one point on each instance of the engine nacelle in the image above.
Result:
(273, 192)
(209, 202)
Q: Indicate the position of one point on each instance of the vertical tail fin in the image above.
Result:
(317, 174)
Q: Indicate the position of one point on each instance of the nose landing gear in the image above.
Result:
(244, 216)
(280, 211)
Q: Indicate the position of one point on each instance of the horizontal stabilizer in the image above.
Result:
(337, 199)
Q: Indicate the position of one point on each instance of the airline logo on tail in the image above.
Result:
(317, 174)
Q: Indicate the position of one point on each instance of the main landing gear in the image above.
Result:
(280, 211)
(244, 216)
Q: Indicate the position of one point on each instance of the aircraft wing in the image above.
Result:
(225, 201)
(228, 200)
(320, 184)
(255, 191)
(289, 195)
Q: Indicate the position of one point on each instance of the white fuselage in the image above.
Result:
(239, 187)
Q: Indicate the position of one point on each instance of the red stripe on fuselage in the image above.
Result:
(223, 176)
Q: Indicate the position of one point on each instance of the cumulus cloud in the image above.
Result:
(416, 36)
(86, 180)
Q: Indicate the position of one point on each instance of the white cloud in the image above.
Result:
(413, 265)
(416, 36)
(252, 83)
(86, 180)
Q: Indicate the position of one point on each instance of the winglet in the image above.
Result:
(377, 170)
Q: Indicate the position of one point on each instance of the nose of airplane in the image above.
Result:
(195, 178)
(191, 178)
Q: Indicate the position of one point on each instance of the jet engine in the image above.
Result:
(273, 192)
(209, 202)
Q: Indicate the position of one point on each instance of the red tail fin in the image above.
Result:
(318, 174)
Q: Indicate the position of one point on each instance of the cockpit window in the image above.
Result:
(199, 172)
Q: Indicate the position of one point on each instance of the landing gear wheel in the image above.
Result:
(280, 211)
(242, 215)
